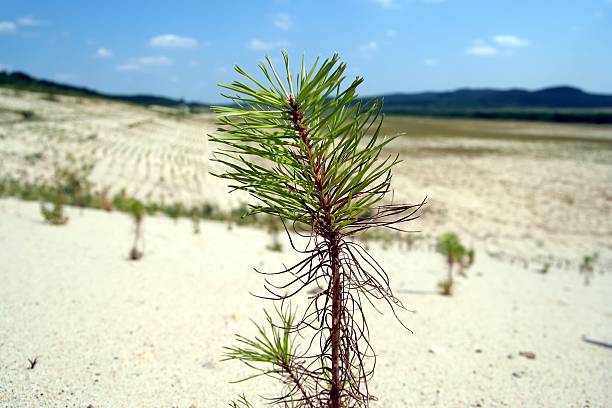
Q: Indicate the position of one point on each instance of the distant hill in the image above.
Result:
(22, 81)
(557, 104)
(562, 97)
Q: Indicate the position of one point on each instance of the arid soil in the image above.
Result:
(108, 332)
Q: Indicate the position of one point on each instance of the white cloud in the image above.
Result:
(128, 67)
(510, 41)
(173, 41)
(369, 46)
(283, 21)
(104, 53)
(390, 33)
(7, 26)
(480, 49)
(4, 67)
(161, 60)
(139, 63)
(430, 62)
(385, 3)
(30, 21)
(259, 45)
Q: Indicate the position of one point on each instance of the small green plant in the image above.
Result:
(31, 159)
(456, 254)
(121, 201)
(137, 211)
(69, 185)
(545, 268)
(272, 352)
(587, 267)
(71, 182)
(27, 115)
(446, 287)
(311, 153)
(55, 215)
(50, 97)
(175, 211)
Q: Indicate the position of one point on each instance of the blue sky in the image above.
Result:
(182, 48)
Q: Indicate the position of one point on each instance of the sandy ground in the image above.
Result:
(113, 333)
(532, 192)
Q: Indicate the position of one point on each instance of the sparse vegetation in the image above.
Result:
(587, 267)
(68, 182)
(50, 97)
(456, 254)
(55, 215)
(137, 211)
(545, 268)
(73, 180)
(176, 210)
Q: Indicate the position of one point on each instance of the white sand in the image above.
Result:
(115, 333)
(543, 191)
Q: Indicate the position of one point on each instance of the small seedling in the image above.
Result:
(446, 287)
(587, 267)
(137, 212)
(55, 215)
(545, 268)
(456, 254)
(174, 211)
(73, 181)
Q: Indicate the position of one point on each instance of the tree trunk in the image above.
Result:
(336, 293)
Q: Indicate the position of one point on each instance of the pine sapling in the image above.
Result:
(587, 267)
(137, 211)
(55, 215)
(456, 254)
(311, 153)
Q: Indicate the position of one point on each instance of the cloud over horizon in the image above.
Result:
(172, 41)
(104, 53)
(510, 41)
(481, 49)
(30, 21)
(139, 63)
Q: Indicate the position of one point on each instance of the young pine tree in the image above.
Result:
(310, 152)
(137, 211)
